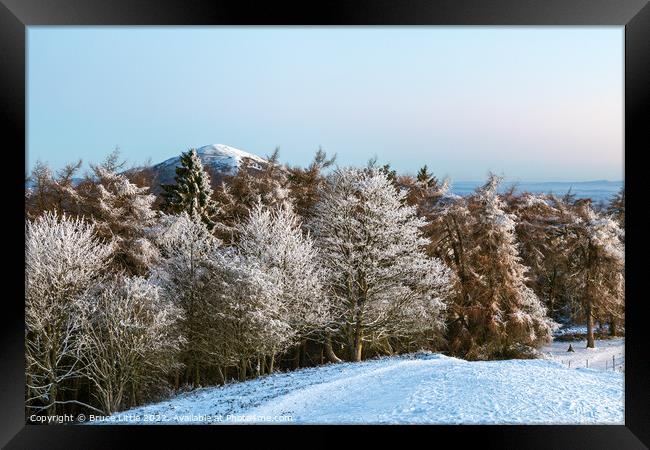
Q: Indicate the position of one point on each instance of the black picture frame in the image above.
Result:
(16, 15)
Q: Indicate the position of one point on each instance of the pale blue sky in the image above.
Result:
(532, 103)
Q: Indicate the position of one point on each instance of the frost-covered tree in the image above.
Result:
(128, 339)
(49, 192)
(540, 231)
(495, 313)
(249, 315)
(191, 192)
(617, 208)
(64, 258)
(510, 309)
(273, 240)
(596, 263)
(251, 185)
(124, 213)
(378, 276)
(183, 273)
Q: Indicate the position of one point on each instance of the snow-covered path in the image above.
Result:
(422, 388)
(596, 358)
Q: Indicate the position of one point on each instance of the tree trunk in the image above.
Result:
(357, 350)
(590, 326)
(329, 351)
(271, 362)
(242, 370)
(51, 411)
(296, 357)
(358, 342)
(134, 400)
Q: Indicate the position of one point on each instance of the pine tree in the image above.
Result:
(192, 192)
(381, 282)
(426, 178)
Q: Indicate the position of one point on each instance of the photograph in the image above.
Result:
(324, 225)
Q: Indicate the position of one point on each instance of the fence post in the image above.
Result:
(587, 364)
(613, 363)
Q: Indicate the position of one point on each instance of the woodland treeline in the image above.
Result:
(131, 296)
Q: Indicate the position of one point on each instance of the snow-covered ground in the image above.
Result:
(599, 358)
(421, 388)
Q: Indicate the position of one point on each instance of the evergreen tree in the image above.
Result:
(192, 192)
(426, 178)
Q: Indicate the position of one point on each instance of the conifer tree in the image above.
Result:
(192, 192)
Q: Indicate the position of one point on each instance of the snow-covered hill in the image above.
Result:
(222, 159)
(421, 388)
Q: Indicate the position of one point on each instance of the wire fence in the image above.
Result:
(616, 363)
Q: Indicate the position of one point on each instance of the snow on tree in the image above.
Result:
(124, 212)
(499, 314)
(186, 248)
(128, 339)
(540, 231)
(251, 185)
(48, 192)
(64, 258)
(378, 276)
(272, 238)
(192, 192)
(596, 259)
(617, 208)
(249, 313)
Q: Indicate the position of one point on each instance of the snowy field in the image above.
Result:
(419, 389)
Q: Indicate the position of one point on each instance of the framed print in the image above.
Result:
(371, 217)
